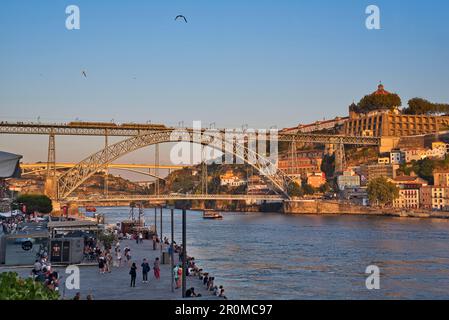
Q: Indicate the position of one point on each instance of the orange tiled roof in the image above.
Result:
(381, 91)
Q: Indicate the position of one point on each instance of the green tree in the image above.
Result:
(295, 190)
(404, 169)
(34, 203)
(308, 189)
(325, 188)
(382, 192)
(377, 102)
(424, 169)
(107, 239)
(328, 165)
(14, 288)
(423, 106)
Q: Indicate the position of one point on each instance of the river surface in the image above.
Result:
(275, 256)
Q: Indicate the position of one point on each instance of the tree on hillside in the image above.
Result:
(404, 169)
(373, 102)
(422, 106)
(34, 203)
(308, 189)
(294, 190)
(328, 165)
(325, 188)
(424, 168)
(382, 192)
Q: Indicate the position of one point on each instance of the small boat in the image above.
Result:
(91, 209)
(212, 215)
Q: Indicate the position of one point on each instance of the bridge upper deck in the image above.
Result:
(129, 130)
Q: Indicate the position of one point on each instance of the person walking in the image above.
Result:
(128, 255)
(145, 269)
(154, 242)
(101, 264)
(119, 258)
(133, 273)
(157, 269)
(140, 237)
(176, 276)
(108, 261)
(179, 281)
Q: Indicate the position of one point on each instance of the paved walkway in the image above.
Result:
(116, 285)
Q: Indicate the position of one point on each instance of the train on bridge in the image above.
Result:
(112, 125)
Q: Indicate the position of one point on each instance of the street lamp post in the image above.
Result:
(184, 253)
(155, 226)
(160, 238)
(171, 251)
(155, 219)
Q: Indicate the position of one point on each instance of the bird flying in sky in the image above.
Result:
(181, 17)
(84, 73)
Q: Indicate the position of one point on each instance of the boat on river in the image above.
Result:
(213, 215)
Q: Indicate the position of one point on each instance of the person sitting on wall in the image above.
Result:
(190, 293)
(37, 268)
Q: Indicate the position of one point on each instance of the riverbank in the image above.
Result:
(313, 256)
(116, 285)
(322, 207)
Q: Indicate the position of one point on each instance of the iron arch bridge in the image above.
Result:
(73, 178)
(27, 169)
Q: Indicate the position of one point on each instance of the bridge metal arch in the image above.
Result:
(140, 172)
(73, 178)
(121, 169)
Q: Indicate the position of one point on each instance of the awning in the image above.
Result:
(9, 165)
(73, 225)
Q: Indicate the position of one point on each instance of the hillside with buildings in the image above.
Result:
(413, 154)
(34, 184)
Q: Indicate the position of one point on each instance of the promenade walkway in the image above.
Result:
(116, 285)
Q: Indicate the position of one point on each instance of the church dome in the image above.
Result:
(381, 90)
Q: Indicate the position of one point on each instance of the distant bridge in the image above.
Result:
(33, 168)
(40, 165)
(174, 197)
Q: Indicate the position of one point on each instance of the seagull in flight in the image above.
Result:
(84, 73)
(181, 17)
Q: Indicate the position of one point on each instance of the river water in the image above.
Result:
(275, 256)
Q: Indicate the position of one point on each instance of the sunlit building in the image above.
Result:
(392, 123)
(409, 192)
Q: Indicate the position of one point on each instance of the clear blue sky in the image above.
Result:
(260, 62)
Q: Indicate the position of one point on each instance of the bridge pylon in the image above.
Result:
(340, 158)
(50, 179)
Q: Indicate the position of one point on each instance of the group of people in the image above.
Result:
(78, 296)
(105, 261)
(208, 282)
(43, 272)
(193, 270)
(145, 270)
(11, 224)
(138, 237)
(91, 249)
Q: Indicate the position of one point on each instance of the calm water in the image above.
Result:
(260, 255)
